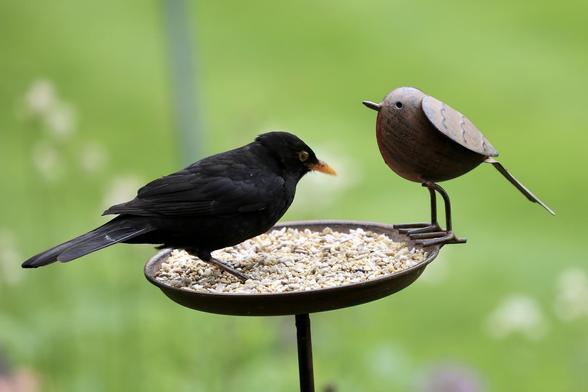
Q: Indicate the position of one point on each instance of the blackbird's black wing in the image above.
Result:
(214, 186)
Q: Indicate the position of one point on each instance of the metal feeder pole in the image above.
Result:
(304, 353)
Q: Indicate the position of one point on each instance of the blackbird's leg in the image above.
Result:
(416, 228)
(207, 257)
(440, 236)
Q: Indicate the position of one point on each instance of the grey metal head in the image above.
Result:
(399, 102)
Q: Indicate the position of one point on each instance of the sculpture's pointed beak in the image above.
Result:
(372, 105)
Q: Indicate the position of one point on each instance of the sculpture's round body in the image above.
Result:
(414, 133)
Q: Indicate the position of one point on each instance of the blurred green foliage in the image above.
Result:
(517, 69)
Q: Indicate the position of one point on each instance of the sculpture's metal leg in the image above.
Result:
(442, 236)
(432, 234)
(417, 228)
(207, 257)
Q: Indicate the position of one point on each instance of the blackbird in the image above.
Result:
(425, 140)
(219, 201)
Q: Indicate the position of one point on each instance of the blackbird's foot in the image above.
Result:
(228, 268)
(207, 257)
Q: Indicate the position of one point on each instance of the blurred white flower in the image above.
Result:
(43, 103)
(317, 190)
(61, 120)
(122, 189)
(10, 258)
(450, 378)
(517, 314)
(47, 162)
(40, 97)
(572, 294)
(93, 157)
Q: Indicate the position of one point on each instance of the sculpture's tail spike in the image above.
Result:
(528, 194)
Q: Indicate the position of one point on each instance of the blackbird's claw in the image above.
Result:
(207, 258)
(228, 268)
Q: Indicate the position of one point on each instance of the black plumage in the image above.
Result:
(216, 202)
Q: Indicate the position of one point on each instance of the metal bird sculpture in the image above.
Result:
(424, 140)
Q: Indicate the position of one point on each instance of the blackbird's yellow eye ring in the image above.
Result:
(303, 156)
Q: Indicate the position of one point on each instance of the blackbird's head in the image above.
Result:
(293, 154)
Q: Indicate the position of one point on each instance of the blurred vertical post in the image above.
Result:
(182, 68)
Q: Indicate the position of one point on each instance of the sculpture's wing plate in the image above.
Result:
(457, 127)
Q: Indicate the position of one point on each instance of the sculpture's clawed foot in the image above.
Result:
(436, 238)
(228, 268)
(427, 234)
(414, 228)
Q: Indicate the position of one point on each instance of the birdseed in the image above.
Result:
(288, 260)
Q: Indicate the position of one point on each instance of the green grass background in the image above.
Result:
(519, 70)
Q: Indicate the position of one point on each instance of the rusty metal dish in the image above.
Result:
(300, 302)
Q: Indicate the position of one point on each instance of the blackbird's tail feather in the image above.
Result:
(117, 230)
(49, 256)
(528, 194)
(95, 243)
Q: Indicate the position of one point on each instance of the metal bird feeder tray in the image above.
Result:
(300, 303)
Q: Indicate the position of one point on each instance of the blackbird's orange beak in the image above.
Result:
(373, 105)
(323, 168)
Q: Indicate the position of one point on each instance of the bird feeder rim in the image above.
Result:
(332, 297)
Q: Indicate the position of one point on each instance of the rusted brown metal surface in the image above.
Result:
(457, 127)
(413, 147)
(425, 140)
